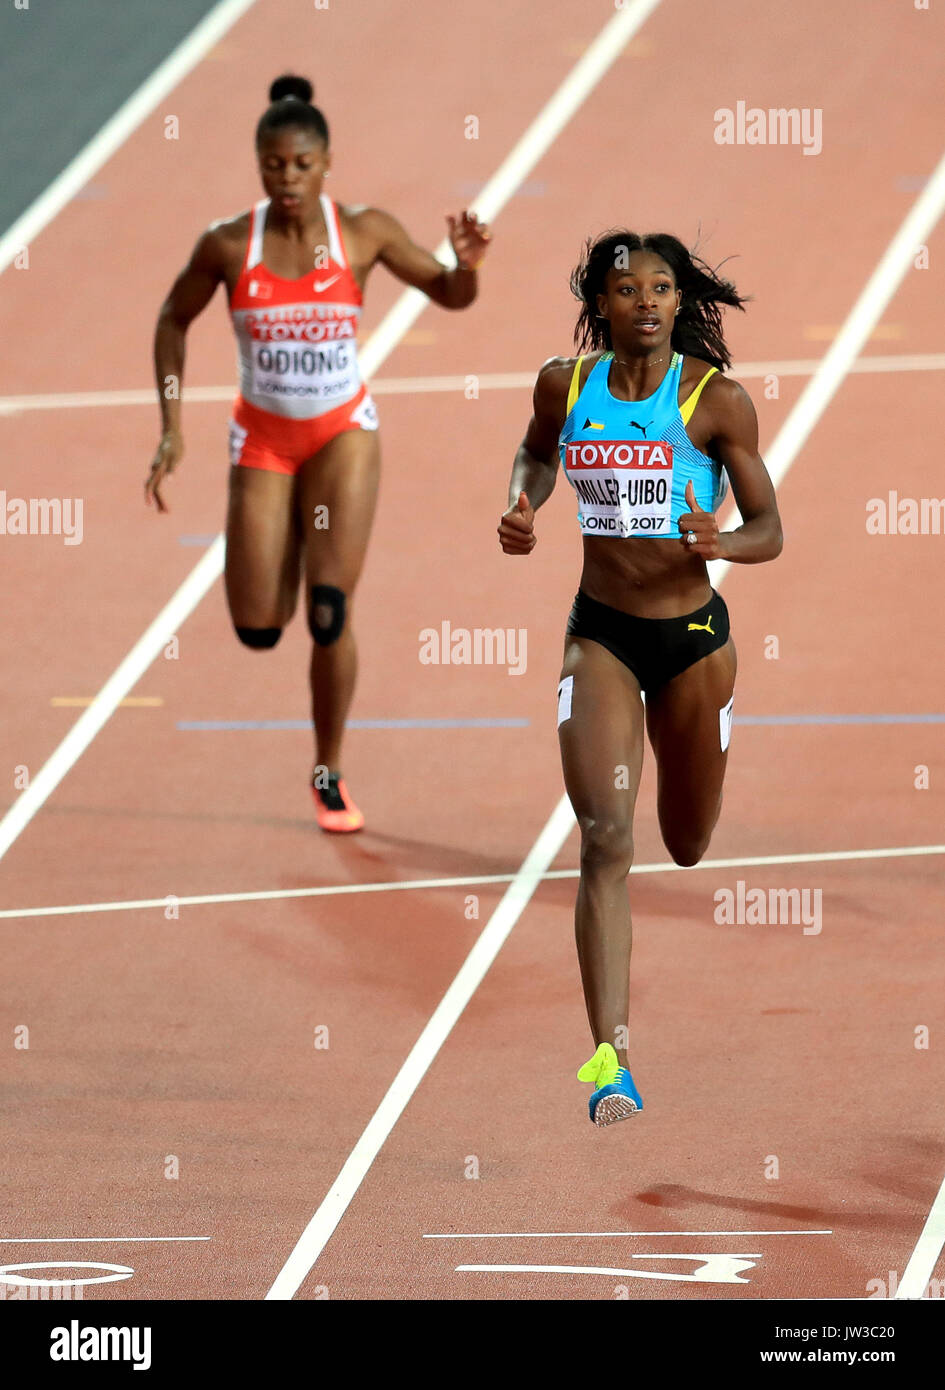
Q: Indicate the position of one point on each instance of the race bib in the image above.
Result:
(324, 373)
(625, 488)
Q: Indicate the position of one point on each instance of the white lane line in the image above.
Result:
(91, 1240)
(470, 975)
(272, 895)
(80, 400)
(421, 385)
(928, 1248)
(615, 1273)
(897, 260)
(156, 637)
(806, 366)
(526, 153)
(470, 881)
(116, 131)
(570, 1235)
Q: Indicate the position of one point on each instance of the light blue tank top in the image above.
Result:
(629, 461)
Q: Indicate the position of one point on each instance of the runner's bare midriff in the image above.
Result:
(650, 578)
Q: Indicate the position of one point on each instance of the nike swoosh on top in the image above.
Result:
(320, 285)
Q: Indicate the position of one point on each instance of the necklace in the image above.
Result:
(654, 362)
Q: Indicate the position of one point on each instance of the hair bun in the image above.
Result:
(291, 86)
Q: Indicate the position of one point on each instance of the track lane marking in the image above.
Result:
(761, 721)
(724, 1266)
(469, 881)
(551, 1235)
(928, 1248)
(203, 726)
(122, 680)
(83, 701)
(727, 1268)
(419, 385)
(92, 1240)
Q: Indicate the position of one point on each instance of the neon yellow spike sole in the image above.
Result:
(615, 1097)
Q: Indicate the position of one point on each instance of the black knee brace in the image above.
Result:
(259, 637)
(326, 614)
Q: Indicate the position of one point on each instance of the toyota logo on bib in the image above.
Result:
(599, 453)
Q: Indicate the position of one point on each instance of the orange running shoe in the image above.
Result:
(334, 809)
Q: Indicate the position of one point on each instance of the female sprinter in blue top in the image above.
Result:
(646, 428)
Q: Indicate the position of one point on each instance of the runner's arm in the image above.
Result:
(536, 463)
(535, 469)
(734, 443)
(454, 288)
(189, 296)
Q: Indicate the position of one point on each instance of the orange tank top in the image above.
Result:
(298, 352)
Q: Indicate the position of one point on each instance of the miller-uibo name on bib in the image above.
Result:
(625, 486)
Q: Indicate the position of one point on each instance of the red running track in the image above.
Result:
(155, 1038)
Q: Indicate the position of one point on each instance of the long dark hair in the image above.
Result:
(697, 330)
(290, 100)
